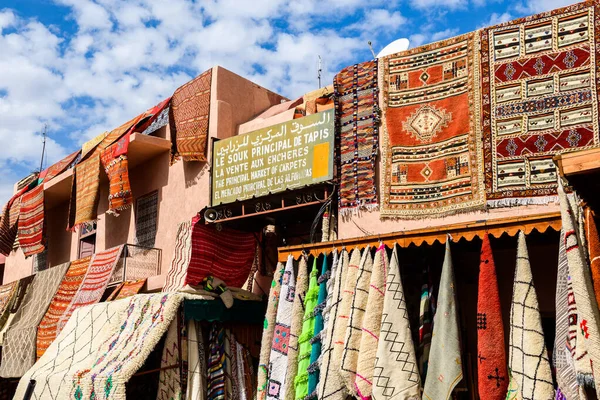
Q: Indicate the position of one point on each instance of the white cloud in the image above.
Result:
(496, 19)
(7, 19)
(538, 6)
(451, 4)
(377, 20)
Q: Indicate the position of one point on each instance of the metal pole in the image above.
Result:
(43, 146)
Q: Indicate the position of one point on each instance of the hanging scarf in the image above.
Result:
(308, 326)
(530, 376)
(396, 374)
(425, 322)
(491, 358)
(593, 242)
(566, 328)
(330, 384)
(268, 332)
(444, 369)
(281, 337)
(588, 318)
(315, 352)
(355, 321)
(371, 325)
(296, 328)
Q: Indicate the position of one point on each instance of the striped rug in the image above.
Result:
(31, 222)
(84, 196)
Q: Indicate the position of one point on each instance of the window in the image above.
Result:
(40, 261)
(146, 216)
(87, 239)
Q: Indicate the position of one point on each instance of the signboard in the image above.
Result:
(289, 155)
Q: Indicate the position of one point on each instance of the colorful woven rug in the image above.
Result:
(593, 242)
(84, 196)
(444, 369)
(60, 167)
(7, 294)
(91, 144)
(95, 282)
(116, 165)
(396, 374)
(330, 384)
(8, 223)
(162, 119)
(491, 367)
(356, 315)
(18, 350)
(431, 136)
(314, 368)
(181, 258)
(70, 284)
(371, 325)
(31, 221)
(278, 360)
(130, 288)
(540, 99)
(357, 113)
(190, 108)
(215, 388)
(226, 254)
(528, 362)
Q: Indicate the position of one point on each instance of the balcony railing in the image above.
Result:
(136, 262)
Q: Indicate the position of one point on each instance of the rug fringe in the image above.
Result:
(518, 201)
(349, 212)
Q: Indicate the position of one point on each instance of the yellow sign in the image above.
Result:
(286, 156)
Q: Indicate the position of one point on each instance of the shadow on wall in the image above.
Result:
(116, 229)
(194, 172)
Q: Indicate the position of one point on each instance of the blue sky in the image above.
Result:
(86, 66)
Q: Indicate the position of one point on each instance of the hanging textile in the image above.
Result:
(296, 328)
(31, 222)
(190, 109)
(216, 360)
(308, 326)
(116, 165)
(22, 288)
(226, 254)
(491, 366)
(130, 288)
(94, 283)
(587, 352)
(538, 80)
(7, 296)
(161, 120)
(396, 374)
(529, 367)
(84, 194)
(181, 258)
(278, 360)
(316, 343)
(425, 324)
(355, 320)
(269, 332)
(18, 350)
(431, 148)
(169, 379)
(196, 387)
(444, 369)
(58, 168)
(231, 387)
(153, 119)
(8, 223)
(593, 243)
(357, 115)
(244, 393)
(91, 144)
(566, 328)
(70, 284)
(371, 325)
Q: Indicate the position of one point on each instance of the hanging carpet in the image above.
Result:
(169, 381)
(31, 221)
(116, 165)
(130, 288)
(316, 340)
(84, 194)
(7, 296)
(196, 387)
(91, 144)
(94, 283)
(593, 243)
(491, 366)
(540, 97)
(396, 373)
(19, 347)
(60, 167)
(431, 135)
(181, 258)
(190, 109)
(215, 388)
(529, 367)
(21, 290)
(357, 116)
(70, 284)
(9, 222)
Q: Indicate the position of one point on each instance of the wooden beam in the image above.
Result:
(494, 227)
(578, 162)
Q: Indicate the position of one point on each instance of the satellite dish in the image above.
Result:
(395, 47)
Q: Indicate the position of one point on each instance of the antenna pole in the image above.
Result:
(371, 47)
(319, 71)
(43, 146)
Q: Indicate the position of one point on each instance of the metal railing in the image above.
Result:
(136, 262)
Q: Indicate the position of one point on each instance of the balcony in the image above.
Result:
(136, 263)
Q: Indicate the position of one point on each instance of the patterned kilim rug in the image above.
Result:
(226, 254)
(540, 99)
(431, 136)
(18, 350)
(529, 367)
(84, 194)
(31, 221)
(95, 282)
(371, 325)
(58, 168)
(130, 288)
(116, 165)
(71, 282)
(162, 119)
(190, 108)
(491, 366)
(8, 223)
(357, 113)
(169, 383)
(181, 258)
(396, 373)
(444, 369)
